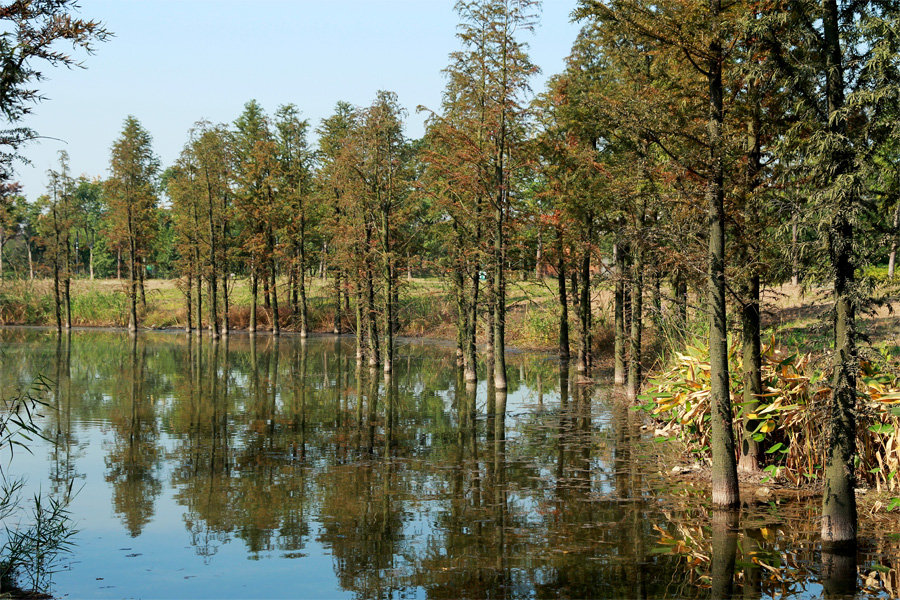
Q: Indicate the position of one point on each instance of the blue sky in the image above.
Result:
(172, 63)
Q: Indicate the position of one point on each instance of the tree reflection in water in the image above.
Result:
(417, 482)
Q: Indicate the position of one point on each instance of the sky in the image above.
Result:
(174, 62)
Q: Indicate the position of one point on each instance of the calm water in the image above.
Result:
(275, 468)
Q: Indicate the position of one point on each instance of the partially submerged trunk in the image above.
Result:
(619, 359)
(254, 290)
(188, 308)
(635, 373)
(724, 467)
(839, 518)
(563, 300)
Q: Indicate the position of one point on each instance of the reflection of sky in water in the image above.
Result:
(223, 504)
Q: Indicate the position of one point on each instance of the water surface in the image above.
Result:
(274, 467)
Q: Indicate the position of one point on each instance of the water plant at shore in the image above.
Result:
(38, 532)
(789, 414)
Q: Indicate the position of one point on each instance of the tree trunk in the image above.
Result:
(56, 295)
(750, 309)
(461, 314)
(140, 266)
(795, 254)
(276, 321)
(388, 271)
(254, 290)
(301, 281)
(371, 321)
(188, 304)
(471, 364)
(563, 300)
(724, 468)
(839, 519)
(584, 310)
(895, 224)
(359, 324)
(635, 367)
(338, 317)
(499, 304)
(212, 279)
(751, 357)
(619, 310)
(132, 260)
(199, 286)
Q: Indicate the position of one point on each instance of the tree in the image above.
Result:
(841, 60)
(256, 170)
(329, 187)
(695, 36)
(90, 209)
(10, 215)
(32, 33)
(131, 194)
(61, 220)
(383, 171)
(481, 145)
(295, 189)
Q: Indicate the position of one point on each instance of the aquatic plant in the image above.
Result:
(37, 533)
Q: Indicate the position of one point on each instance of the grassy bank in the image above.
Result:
(427, 307)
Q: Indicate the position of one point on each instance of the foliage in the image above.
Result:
(790, 412)
(38, 533)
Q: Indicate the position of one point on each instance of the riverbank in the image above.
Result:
(426, 308)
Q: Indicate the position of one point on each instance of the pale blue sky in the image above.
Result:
(175, 62)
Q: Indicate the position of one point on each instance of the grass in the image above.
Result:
(427, 307)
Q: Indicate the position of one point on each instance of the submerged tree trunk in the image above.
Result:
(338, 316)
(276, 321)
(724, 467)
(839, 518)
(563, 300)
(143, 289)
(188, 307)
(619, 310)
(199, 287)
(371, 320)
(67, 275)
(301, 281)
(499, 304)
(471, 365)
(56, 292)
(635, 373)
(584, 310)
(254, 291)
(359, 324)
(388, 271)
(133, 324)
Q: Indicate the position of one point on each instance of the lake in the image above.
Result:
(266, 467)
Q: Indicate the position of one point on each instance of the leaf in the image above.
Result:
(774, 448)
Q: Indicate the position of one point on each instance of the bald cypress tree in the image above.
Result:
(131, 194)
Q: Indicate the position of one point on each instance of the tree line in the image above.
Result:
(689, 154)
